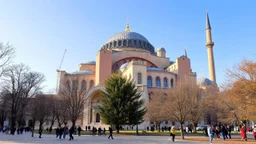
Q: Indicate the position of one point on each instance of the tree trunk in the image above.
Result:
(33, 128)
(181, 130)
(52, 123)
(158, 125)
(13, 121)
(194, 127)
(117, 128)
(73, 123)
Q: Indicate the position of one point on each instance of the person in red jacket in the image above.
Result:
(243, 133)
(254, 132)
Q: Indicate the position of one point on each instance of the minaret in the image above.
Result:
(209, 46)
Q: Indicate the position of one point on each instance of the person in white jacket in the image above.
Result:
(210, 133)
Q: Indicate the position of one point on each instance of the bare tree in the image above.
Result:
(43, 103)
(73, 98)
(155, 111)
(21, 85)
(177, 102)
(3, 107)
(195, 102)
(52, 109)
(6, 54)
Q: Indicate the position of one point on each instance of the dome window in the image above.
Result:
(124, 43)
(139, 44)
(115, 44)
(135, 43)
(129, 43)
(119, 43)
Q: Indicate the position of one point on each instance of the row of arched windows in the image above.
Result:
(158, 82)
(130, 43)
(83, 84)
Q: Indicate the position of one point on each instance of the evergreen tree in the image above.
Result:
(121, 103)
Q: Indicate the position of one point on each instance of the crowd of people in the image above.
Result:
(225, 132)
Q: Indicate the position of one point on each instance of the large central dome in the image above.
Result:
(129, 40)
(127, 35)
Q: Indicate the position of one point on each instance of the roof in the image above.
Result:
(154, 69)
(82, 72)
(127, 35)
(91, 62)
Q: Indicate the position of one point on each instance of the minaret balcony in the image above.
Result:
(209, 44)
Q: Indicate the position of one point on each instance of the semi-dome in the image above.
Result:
(128, 39)
(204, 81)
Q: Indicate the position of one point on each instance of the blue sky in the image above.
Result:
(41, 30)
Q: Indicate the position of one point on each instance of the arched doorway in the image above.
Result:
(95, 107)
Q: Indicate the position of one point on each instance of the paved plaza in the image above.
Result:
(51, 139)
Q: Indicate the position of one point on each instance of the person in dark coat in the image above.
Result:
(71, 131)
(104, 132)
(110, 133)
(79, 129)
(40, 131)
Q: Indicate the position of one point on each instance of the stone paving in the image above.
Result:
(51, 139)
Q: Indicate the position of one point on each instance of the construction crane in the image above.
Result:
(58, 71)
(62, 60)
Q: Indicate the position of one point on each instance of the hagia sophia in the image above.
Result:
(135, 57)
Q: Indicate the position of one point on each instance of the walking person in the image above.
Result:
(243, 133)
(71, 131)
(40, 131)
(229, 131)
(254, 132)
(104, 131)
(172, 134)
(210, 133)
(79, 131)
(110, 133)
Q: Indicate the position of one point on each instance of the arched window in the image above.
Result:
(139, 43)
(114, 44)
(83, 86)
(135, 43)
(165, 82)
(158, 82)
(149, 81)
(119, 43)
(91, 83)
(129, 43)
(124, 43)
(110, 45)
(139, 78)
(171, 83)
(74, 85)
(97, 117)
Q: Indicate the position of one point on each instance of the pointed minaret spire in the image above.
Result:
(209, 46)
(185, 51)
(208, 24)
